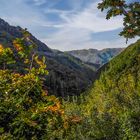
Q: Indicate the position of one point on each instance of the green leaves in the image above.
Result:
(26, 111)
(6, 58)
(23, 57)
(130, 13)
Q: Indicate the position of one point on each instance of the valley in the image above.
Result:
(68, 75)
(61, 91)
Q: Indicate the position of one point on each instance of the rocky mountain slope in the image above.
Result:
(67, 75)
(94, 56)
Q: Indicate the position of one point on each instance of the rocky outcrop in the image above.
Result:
(95, 56)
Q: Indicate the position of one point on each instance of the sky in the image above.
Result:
(65, 24)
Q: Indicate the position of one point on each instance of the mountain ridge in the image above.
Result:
(96, 56)
(64, 70)
(68, 75)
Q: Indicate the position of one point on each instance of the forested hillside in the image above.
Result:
(114, 99)
(101, 105)
(111, 110)
(64, 70)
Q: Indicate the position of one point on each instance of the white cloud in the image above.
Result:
(92, 19)
(74, 30)
(67, 39)
(17, 12)
(77, 28)
(39, 2)
(73, 40)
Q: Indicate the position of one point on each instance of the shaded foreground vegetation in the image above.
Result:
(109, 111)
(26, 110)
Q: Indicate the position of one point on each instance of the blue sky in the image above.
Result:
(65, 24)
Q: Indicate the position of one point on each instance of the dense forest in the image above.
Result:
(108, 110)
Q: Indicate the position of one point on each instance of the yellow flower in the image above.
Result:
(1, 48)
(66, 125)
(17, 46)
(26, 61)
(75, 119)
(61, 111)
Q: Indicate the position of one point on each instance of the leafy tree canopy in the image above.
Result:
(130, 13)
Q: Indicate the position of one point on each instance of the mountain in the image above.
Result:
(94, 56)
(67, 75)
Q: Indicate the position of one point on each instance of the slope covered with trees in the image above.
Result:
(111, 108)
(109, 111)
(26, 110)
(64, 70)
(114, 99)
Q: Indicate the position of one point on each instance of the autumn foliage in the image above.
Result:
(27, 111)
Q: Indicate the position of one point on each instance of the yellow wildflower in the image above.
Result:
(26, 61)
(75, 119)
(1, 48)
(17, 46)
(66, 125)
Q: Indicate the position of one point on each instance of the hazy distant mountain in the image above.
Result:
(67, 75)
(95, 56)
